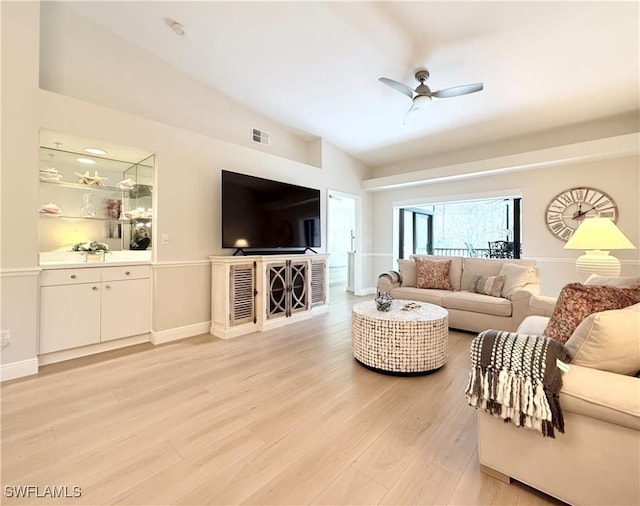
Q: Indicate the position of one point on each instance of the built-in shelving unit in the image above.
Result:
(112, 203)
(88, 306)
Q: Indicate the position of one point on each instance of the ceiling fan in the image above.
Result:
(421, 96)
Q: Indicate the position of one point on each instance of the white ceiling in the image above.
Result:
(313, 66)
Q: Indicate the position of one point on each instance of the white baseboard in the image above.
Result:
(166, 336)
(92, 349)
(19, 369)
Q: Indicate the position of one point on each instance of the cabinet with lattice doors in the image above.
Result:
(252, 293)
(288, 288)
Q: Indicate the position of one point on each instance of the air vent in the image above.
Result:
(260, 136)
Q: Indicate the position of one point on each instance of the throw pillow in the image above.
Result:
(577, 301)
(488, 285)
(433, 274)
(608, 340)
(516, 276)
(407, 270)
(623, 282)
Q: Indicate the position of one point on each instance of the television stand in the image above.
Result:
(260, 293)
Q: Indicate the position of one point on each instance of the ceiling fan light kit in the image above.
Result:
(422, 94)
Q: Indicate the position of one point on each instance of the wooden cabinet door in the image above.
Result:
(125, 308)
(298, 280)
(277, 290)
(69, 316)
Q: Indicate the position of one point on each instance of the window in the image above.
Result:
(464, 228)
(416, 232)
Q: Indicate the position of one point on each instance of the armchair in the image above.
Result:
(596, 460)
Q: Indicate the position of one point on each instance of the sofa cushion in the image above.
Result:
(433, 274)
(577, 301)
(455, 271)
(620, 282)
(485, 267)
(517, 276)
(488, 285)
(408, 273)
(477, 303)
(419, 294)
(608, 340)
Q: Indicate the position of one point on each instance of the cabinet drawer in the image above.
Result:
(124, 272)
(69, 276)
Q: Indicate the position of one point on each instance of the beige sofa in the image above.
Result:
(470, 311)
(597, 459)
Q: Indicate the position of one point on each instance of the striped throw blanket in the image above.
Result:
(393, 276)
(515, 377)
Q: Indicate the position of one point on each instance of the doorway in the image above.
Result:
(342, 239)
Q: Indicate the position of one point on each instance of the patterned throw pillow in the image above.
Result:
(488, 285)
(433, 274)
(577, 301)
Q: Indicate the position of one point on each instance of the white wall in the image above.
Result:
(84, 60)
(620, 178)
(587, 131)
(188, 166)
(19, 179)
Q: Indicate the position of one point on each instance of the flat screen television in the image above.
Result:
(264, 214)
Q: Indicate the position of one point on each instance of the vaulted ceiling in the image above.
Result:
(314, 66)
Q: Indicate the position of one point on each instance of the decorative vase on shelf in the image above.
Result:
(94, 256)
(88, 210)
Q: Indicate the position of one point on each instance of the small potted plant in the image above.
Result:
(92, 250)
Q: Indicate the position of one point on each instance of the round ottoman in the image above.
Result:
(410, 339)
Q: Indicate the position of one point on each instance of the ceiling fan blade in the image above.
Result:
(457, 90)
(411, 115)
(402, 88)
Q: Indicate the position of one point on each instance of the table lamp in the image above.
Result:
(597, 236)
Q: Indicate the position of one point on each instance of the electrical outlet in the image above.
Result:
(5, 338)
(166, 238)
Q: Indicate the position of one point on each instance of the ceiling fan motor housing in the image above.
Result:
(422, 75)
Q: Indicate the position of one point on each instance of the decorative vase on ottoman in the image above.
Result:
(383, 301)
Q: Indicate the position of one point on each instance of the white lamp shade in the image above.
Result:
(598, 233)
(597, 236)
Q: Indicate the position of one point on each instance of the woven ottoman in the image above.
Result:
(408, 340)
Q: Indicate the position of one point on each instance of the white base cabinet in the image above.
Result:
(84, 306)
(252, 293)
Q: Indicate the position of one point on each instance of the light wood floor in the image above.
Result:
(280, 417)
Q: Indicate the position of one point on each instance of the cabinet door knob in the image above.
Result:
(127, 273)
(73, 276)
(108, 287)
(94, 288)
